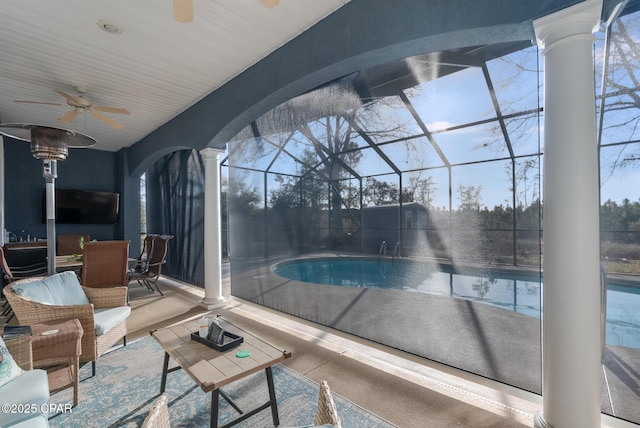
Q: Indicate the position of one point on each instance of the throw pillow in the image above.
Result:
(9, 370)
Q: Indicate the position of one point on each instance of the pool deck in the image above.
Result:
(478, 339)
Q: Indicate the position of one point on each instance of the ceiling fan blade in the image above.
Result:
(37, 102)
(107, 120)
(70, 99)
(68, 118)
(270, 3)
(111, 109)
(183, 10)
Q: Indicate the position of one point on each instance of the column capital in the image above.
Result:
(211, 152)
(580, 19)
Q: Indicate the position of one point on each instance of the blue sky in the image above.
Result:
(461, 98)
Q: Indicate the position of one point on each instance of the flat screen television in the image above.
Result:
(83, 207)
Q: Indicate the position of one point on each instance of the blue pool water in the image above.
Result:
(517, 293)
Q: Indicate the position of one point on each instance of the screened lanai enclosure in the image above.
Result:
(403, 204)
(389, 202)
(341, 168)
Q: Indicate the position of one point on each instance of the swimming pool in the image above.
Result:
(516, 292)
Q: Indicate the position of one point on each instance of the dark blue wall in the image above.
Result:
(84, 169)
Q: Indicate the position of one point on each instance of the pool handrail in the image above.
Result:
(383, 247)
(396, 250)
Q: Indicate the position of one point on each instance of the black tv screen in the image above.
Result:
(84, 207)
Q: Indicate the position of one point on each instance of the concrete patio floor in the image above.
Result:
(401, 388)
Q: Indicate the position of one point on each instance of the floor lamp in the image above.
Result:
(50, 145)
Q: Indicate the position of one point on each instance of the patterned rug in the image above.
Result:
(127, 382)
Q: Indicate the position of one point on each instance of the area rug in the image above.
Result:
(127, 382)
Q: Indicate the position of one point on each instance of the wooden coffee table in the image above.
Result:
(211, 369)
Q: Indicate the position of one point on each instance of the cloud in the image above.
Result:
(438, 125)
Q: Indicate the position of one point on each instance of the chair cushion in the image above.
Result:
(107, 318)
(31, 387)
(9, 370)
(61, 289)
(39, 421)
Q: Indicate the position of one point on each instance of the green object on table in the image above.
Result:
(243, 353)
(74, 258)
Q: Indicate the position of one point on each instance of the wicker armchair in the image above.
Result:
(20, 349)
(327, 412)
(27, 388)
(158, 416)
(29, 312)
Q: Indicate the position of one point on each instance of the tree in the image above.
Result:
(421, 191)
(331, 138)
(470, 198)
(329, 131)
(527, 180)
(243, 198)
(380, 192)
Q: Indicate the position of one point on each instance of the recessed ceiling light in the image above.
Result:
(110, 26)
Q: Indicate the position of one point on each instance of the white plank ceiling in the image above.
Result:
(156, 68)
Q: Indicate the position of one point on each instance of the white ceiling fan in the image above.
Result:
(183, 9)
(81, 104)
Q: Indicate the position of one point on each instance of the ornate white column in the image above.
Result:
(212, 230)
(571, 321)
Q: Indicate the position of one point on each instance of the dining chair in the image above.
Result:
(149, 272)
(105, 264)
(147, 245)
(14, 273)
(70, 244)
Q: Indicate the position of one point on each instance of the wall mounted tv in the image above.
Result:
(84, 207)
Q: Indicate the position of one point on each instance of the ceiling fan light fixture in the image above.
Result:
(80, 104)
(110, 26)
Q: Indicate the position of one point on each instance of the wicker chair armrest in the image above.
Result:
(29, 312)
(20, 349)
(108, 297)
